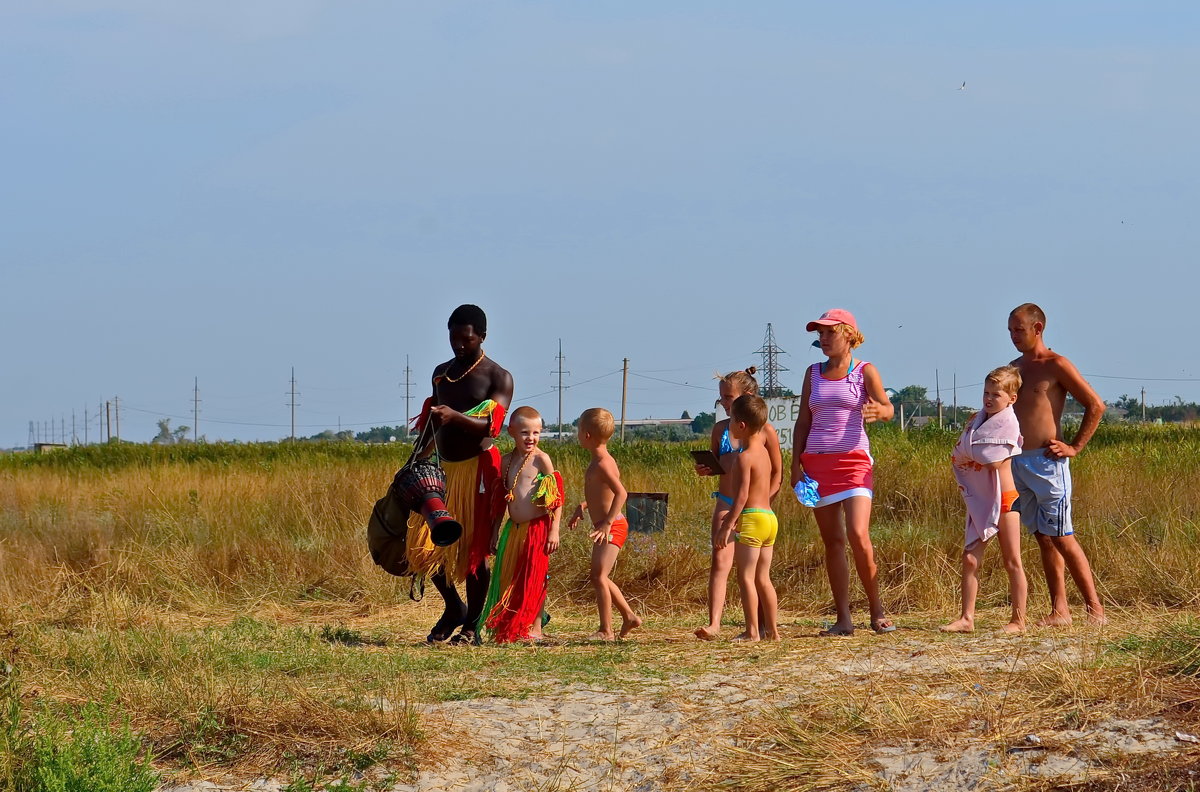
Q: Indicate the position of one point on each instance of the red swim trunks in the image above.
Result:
(619, 531)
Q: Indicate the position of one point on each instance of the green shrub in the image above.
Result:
(14, 734)
(85, 756)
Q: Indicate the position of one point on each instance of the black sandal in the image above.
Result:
(466, 638)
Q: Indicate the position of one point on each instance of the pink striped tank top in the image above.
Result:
(836, 406)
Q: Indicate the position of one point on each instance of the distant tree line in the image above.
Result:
(914, 399)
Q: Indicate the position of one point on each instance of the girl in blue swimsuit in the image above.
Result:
(730, 386)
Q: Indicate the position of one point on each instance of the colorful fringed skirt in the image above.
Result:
(518, 590)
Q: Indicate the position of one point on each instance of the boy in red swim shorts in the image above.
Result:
(604, 497)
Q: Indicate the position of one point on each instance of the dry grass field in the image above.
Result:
(215, 605)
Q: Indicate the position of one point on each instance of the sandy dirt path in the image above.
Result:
(675, 731)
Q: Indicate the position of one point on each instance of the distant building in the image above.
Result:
(45, 448)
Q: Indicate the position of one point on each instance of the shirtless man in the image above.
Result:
(471, 393)
(1042, 472)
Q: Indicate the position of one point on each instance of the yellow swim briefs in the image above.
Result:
(757, 527)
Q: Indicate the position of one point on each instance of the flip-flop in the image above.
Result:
(832, 633)
(881, 630)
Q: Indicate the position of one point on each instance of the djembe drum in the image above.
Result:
(421, 487)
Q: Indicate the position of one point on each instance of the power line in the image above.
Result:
(165, 414)
(1143, 379)
(671, 382)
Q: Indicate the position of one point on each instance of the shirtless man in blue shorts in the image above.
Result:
(1042, 472)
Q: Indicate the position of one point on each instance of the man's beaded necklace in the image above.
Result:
(447, 376)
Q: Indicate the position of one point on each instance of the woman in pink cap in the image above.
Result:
(831, 448)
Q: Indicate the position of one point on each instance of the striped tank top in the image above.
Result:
(836, 407)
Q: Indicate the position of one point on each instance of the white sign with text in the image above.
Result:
(782, 414)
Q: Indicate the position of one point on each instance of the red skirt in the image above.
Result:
(839, 476)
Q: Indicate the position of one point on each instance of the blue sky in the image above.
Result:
(223, 191)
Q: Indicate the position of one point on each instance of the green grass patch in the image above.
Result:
(1176, 646)
(85, 749)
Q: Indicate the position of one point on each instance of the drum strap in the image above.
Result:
(422, 440)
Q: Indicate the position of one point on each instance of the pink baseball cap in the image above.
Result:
(834, 316)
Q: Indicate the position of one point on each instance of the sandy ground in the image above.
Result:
(669, 733)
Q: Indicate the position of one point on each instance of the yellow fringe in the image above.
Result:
(462, 485)
(545, 491)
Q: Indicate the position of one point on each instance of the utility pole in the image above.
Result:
(954, 415)
(293, 394)
(74, 437)
(1143, 404)
(108, 420)
(32, 436)
(407, 396)
(62, 423)
(117, 412)
(196, 410)
(770, 352)
(558, 434)
(937, 383)
(624, 394)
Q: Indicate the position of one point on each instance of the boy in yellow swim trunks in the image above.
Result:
(750, 520)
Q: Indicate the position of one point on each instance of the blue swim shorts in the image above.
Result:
(1044, 492)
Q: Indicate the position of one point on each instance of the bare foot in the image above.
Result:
(1055, 620)
(838, 630)
(963, 625)
(1096, 616)
(452, 618)
(770, 636)
(1013, 628)
(746, 637)
(707, 633)
(599, 636)
(630, 624)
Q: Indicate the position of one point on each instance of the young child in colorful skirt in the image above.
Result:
(533, 494)
(982, 462)
(604, 496)
(831, 448)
